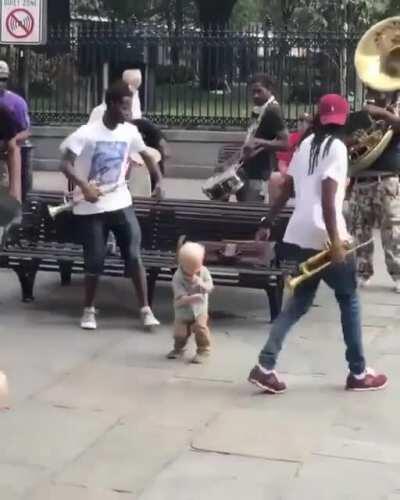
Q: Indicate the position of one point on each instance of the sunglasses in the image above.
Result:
(4, 79)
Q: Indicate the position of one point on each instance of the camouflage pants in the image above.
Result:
(371, 204)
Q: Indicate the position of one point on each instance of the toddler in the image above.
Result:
(192, 284)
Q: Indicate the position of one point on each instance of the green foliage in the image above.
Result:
(302, 15)
(323, 15)
(125, 9)
(167, 74)
(246, 12)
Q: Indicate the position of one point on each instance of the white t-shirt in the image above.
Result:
(306, 227)
(98, 112)
(102, 157)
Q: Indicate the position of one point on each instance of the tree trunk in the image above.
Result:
(175, 52)
(214, 16)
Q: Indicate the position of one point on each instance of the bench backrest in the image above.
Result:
(162, 223)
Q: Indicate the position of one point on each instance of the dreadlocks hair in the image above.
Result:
(116, 92)
(321, 133)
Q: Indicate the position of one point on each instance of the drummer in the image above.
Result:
(266, 135)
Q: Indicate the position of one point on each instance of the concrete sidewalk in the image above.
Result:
(106, 417)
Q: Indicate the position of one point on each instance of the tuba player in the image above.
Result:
(375, 195)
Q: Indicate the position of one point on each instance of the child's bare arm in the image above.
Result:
(188, 299)
(206, 283)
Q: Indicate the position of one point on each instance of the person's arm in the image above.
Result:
(329, 188)
(91, 192)
(181, 297)
(286, 192)
(206, 283)
(184, 300)
(14, 168)
(272, 125)
(387, 116)
(22, 116)
(155, 173)
(280, 143)
(164, 149)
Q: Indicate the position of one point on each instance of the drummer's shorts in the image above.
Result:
(94, 230)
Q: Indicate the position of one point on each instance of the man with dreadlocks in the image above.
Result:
(318, 175)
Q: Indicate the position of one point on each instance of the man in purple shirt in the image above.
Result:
(9, 132)
(14, 103)
(18, 129)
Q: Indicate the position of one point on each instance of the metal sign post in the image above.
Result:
(23, 22)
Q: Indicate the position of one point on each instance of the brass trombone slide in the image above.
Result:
(317, 263)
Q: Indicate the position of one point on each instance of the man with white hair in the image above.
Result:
(132, 77)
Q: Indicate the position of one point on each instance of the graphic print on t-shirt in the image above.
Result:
(107, 162)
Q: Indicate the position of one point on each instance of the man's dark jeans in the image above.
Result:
(342, 279)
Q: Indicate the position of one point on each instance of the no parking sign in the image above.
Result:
(23, 22)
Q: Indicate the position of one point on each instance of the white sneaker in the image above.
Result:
(88, 320)
(397, 286)
(364, 282)
(148, 318)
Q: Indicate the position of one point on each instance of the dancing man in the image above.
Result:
(375, 195)
(318, 174)
(95, 160)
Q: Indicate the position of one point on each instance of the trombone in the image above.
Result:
(317, 263)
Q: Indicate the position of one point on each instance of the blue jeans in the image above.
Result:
(342, 279)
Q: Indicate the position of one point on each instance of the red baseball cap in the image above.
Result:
(333, 110)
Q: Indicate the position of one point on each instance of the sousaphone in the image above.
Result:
(377, 62)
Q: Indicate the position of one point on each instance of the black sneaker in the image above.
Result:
(267, 382)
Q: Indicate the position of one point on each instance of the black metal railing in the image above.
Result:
(191, 79)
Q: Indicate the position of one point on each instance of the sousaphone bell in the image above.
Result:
(377, 62)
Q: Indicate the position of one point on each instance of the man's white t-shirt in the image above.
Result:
(98, 112)
(102, 157)
(306, 227)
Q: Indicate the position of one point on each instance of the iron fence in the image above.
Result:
(192, 78)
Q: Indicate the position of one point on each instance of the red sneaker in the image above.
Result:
(267, 382)
(371, 382)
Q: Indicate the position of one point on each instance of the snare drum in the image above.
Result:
(222, 186)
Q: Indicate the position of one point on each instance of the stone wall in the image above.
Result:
(193, 153)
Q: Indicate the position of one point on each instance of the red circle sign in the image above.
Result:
(20, 23)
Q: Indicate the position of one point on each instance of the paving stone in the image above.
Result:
(127, 458)
(199, 476)
(15, 480)
(269, 433)
(366, 428)
(333, 479)
(38, 434)
(54, 491)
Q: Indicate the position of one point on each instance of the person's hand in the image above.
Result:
(196, 297)
(251, 149)
(91, 192)
(200, 283)
(263, 234)
(338, 253)
(158, 192)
